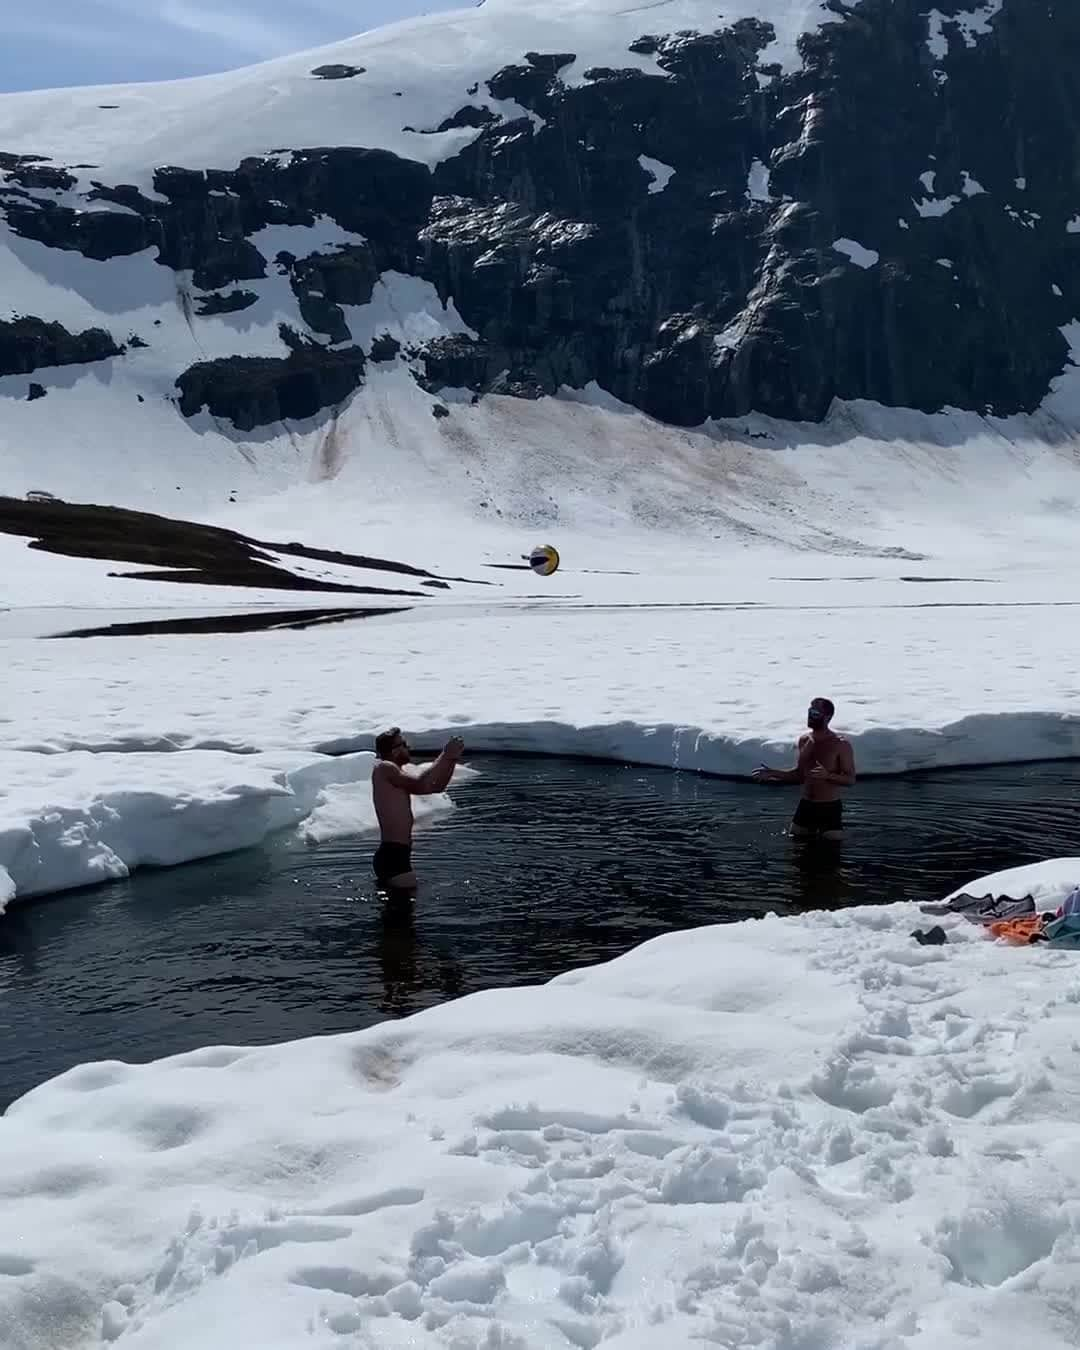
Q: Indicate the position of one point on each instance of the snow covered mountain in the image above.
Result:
(704, 214)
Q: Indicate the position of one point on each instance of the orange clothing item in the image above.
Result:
(1020, 932)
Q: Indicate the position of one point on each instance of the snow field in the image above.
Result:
(797, 1132)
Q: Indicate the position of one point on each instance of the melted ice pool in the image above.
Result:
(545, 865)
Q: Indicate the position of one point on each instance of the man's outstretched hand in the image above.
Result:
(762, 775)
(454, 748)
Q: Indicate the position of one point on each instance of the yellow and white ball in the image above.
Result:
(544, 560)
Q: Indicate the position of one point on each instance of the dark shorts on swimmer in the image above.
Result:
(391, 860)
(819, 817)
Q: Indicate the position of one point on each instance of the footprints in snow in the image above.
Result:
(997, 1239)
(209, 1249)
(887, 1108)
(343, 1280)
(368, 1204)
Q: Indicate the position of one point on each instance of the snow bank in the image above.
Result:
(967, 743)
(783, 1133)
(700, 686)
(80, 818)
(1048, 883)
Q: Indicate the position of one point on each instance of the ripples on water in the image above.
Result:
(547, 864)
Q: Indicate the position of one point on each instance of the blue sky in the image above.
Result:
(47, 43)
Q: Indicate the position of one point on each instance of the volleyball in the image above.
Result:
(544, 560)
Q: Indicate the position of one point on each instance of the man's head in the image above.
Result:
(393, 746)
(819, 714)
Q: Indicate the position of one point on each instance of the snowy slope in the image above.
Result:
(415, 73)
(807, 1132)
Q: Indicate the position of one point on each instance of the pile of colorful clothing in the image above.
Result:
(1015, 920)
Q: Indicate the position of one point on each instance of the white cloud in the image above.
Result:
(255, 32)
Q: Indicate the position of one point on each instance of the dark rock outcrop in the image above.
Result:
(229, 303)
(338, 71)
(253, 391)
(702, 299)
(469, 116)
(168, 549)
(384, 348)
(94, 234)
(703, 239)
(35, 175)
(324, 282)
(29, 344)
(459, 362)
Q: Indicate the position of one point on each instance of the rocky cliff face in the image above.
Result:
(898, 220)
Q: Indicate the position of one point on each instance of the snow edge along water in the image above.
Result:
(78, 818)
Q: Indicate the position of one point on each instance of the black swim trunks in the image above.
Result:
(819, 817)
(391, 860)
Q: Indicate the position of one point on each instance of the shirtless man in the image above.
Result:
(825, 763)
(393, 790)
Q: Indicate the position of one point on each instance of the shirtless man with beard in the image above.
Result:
(393, 789)
(825, 763)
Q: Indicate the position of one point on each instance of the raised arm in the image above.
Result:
(434, 778)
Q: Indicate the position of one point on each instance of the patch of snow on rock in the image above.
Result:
(936, 206)
(408, 309)
(757, 182)
(971, 25)
(303, 240)
(858, 253)
(661, 173)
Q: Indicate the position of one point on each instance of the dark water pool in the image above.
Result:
(547, 864)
